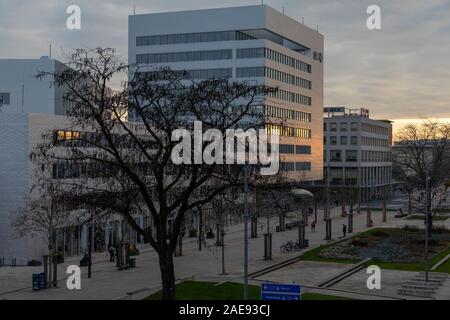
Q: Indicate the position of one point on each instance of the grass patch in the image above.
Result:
(319, 296)
(197, 290)
(422, 217)
(445, 267)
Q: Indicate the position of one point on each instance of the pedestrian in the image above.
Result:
(313, 226)
(344, 229)
(112, 253)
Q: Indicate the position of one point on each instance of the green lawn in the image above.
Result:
(422, 217)
(197, 290)
(319, 296)
(444, 267)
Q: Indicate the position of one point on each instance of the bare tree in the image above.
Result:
(129, 164)
(422, 163)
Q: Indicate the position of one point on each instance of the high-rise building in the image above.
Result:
(252, 43)
(357, 153)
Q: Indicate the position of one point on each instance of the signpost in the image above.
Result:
(280, 292)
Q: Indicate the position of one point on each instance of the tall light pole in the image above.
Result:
(246, 214)
(427, 223)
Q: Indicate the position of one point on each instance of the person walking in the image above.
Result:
(344, 229)
(313, 226)
(112, 253)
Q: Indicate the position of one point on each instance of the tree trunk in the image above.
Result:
(167, 274)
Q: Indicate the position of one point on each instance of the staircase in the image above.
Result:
(418, 287)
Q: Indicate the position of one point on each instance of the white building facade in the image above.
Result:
(254, 43)
(357, 152)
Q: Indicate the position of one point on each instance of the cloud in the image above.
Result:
(401, 71)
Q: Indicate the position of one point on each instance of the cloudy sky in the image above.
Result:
(399, 72)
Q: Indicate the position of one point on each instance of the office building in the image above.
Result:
(256, 44)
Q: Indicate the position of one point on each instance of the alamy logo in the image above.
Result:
(74, 280)
(251, 146)
(73, 22)
(374, 20)
(374, 280)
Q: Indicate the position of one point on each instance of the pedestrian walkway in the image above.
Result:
(108, 283)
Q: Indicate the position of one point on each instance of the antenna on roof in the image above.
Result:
(262, 2)
(283, 9)
(134, 9)
(317, 28)
(50, 51)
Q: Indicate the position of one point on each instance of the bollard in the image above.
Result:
(328, 229)
(350, 222)
(369, 219)
(267, 246)
(384, 212)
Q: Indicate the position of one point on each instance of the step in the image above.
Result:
(422, 278)
(418, 287)
(435, 274)
(423, 283)
(414, 292)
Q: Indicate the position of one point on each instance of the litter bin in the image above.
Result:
(39, 281)
(132, 263)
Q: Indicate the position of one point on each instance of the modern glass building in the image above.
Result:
(252, 43)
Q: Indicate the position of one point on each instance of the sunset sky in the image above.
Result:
(399, 72)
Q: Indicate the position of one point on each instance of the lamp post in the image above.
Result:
(246, 213)
(427, 224)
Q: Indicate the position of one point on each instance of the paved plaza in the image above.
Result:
(108, 283)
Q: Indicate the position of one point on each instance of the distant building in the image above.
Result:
(251, 43)
(21, 92)
(357, 153)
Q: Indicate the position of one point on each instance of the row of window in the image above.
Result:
(337, 155)
(294, 149)
(5, 98)
(376, 156)
(69, 138)
(273, 55)
(369, 141)
(343, 140)
(295, 166)
(192, 38)
(291, 97)
(224, 73)
(352, 156)
(288, 131)
(284, 113)
(252, 72)
(375, 129)
(185, 56)
(343, 126)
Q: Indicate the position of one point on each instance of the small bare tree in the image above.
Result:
(422, 163)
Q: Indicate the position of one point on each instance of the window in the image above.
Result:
(333, 126)
(354, 126)
(354, 140)
(343, 140)
(333, 140)
(5, 98)
(351, 155)
(303, 149)
(250, 53)
(303, 166)
(191, 38)
(250, 72)
(343, 126)
(335, 156)
(185, 56)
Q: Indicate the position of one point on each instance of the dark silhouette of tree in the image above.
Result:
(125, 167)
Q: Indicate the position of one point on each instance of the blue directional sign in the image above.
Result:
(284, 292)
